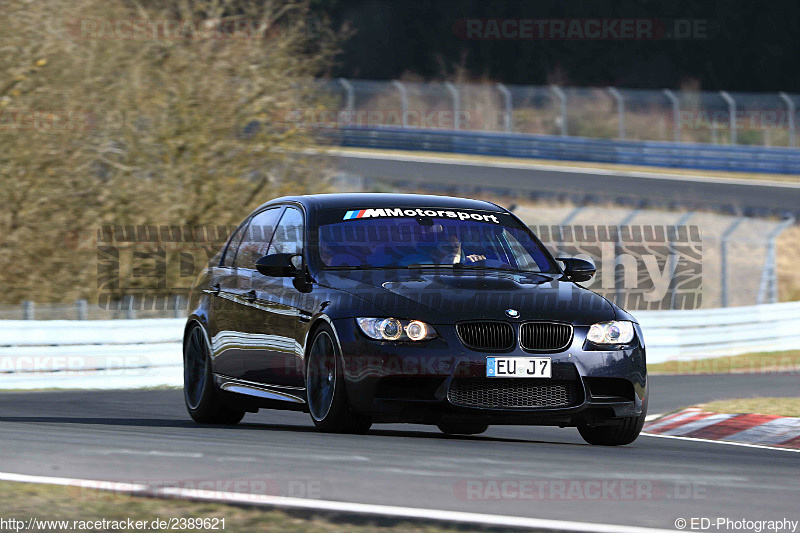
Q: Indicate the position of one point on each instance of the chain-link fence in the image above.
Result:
(646, 259)
(733, 263)
(762, 119)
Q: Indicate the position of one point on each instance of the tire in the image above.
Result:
(462, 428)
(616, 435)
(325, 387)
(199, 391)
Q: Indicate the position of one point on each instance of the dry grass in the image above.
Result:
(762, 406)
(753, 363)
(788, 255)
(23, 501)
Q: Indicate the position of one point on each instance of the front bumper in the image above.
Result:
(415, 382)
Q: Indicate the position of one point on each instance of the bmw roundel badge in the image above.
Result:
(512, 313)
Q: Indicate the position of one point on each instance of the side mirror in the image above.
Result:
(577, 269)
(276, 265)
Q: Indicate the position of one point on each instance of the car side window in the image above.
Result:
(289, 234)
(256, 238)
(233, 244)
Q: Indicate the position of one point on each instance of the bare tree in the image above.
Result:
(118, 112)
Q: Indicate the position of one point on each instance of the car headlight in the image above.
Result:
(393, 329)
(614, 332)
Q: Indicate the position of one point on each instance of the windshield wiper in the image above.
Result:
(427, 265)
(432, 265)
(462, 265)
(362, 267)
(482, 267)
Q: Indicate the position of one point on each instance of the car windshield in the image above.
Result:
(494, 242)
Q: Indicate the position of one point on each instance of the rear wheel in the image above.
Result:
(325, 387)
(461, 428)
(199, 391)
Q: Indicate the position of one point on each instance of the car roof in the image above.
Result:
(363, 200)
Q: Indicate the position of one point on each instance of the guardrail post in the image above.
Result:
(128, 306)
(350, 99)
(562, 97)
(790, 107)
(27, 310)
(620, 111)
(769, 274)
(82, 308)
(403, 101)
(723, 253)
(672, 260)
(731, 113)
(676, 115)
(178, 306)
(509, 122)
(456, 104)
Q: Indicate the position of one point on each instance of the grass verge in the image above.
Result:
(762, 406)
(751, 363)
(23, 501)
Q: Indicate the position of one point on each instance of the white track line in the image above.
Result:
(71, 482)
(340, 507)
(728, 443)
(356, 154)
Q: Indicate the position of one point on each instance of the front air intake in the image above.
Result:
(522, 393)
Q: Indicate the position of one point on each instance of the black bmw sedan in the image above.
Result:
(371, 308)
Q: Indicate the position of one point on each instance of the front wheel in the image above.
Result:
(325, 387)
(617, 435)
(199, 391)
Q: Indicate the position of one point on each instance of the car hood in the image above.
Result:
(439, 297)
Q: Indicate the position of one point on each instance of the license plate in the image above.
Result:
(518, 367)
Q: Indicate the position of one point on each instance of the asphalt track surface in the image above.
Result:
(146, 437)
(753, 199)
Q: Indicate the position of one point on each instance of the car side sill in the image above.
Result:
(258, 390)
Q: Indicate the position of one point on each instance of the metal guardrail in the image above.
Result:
(136, 353)
(648, 153)
(90, 332)
(696, 334)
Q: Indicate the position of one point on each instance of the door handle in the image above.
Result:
(250, 296)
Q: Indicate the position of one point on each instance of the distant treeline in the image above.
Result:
(734, 45)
